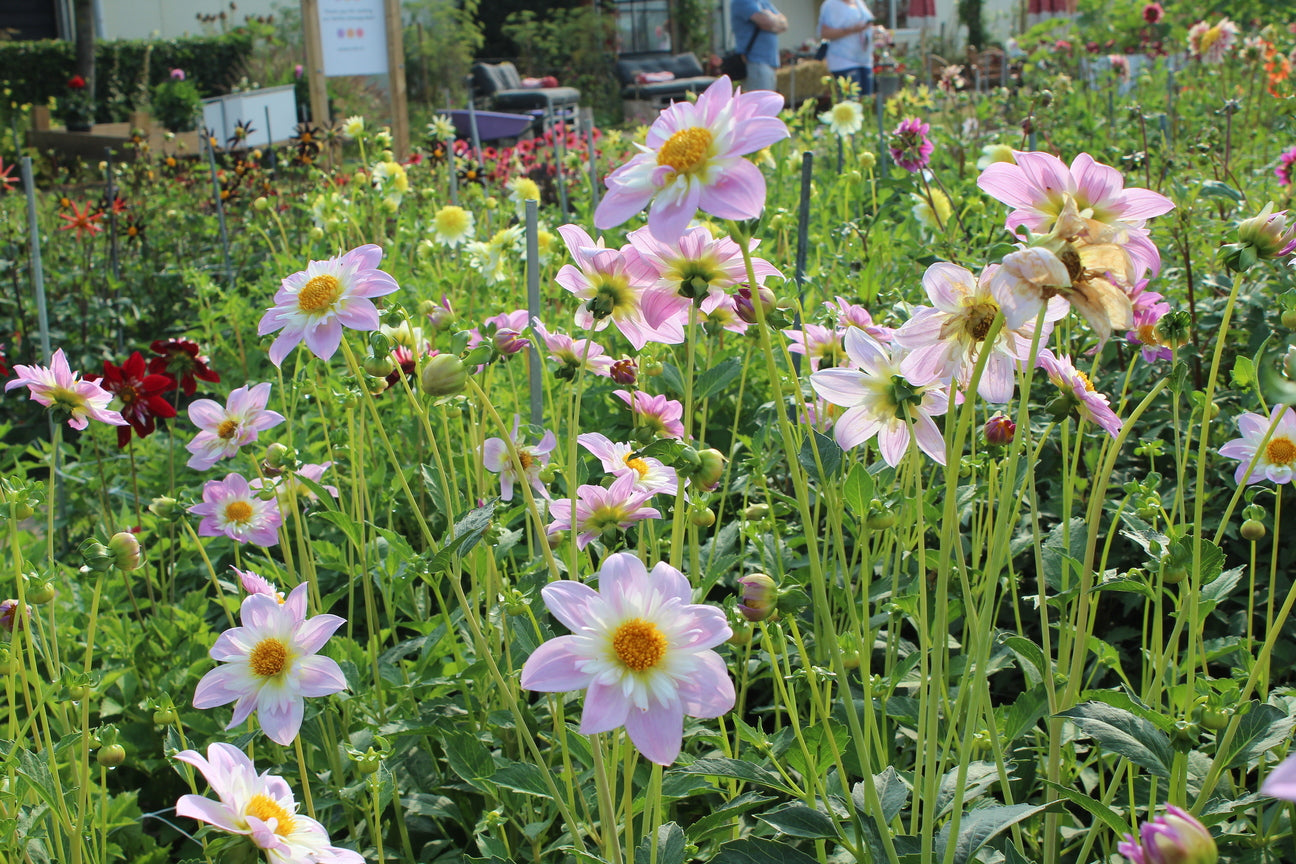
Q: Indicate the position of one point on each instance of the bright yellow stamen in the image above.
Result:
(268, 658)
(638, 464)
(639, 644)
(526, 459)
(1085, 378)
(265, 808)
(1280, 451)
(686, 149)
(238, 511)
(226, 429)
(319, 293)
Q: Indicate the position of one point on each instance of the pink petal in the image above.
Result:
(554, 668)
(358, 314)
(738, 194)
(1144, 204)
(207, 810)
(280, 715)
(324, 338)
(708, 692)
(671, 583)
(310, 635)
(854, 428)
(220, 686)
(318, 676)
(1281, 782)
(657, 732)
(605, 709)
(893, 441)
(844, 387)
(570, 601)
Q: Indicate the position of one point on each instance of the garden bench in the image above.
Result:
(646, 87)
(500, 86)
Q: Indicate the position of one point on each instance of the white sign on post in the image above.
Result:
(353, 37)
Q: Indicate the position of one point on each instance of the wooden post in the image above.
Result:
(315, 64)
(396, 79)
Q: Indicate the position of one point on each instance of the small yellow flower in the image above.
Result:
(933, 220)
(844, 119)
(353, 126)
(452, 226)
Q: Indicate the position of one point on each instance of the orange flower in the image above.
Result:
(85, 221)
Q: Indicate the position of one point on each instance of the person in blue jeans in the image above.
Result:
(759, 17)
(848, 27)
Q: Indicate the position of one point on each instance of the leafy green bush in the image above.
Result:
(39, 70)
(577, 46)
(176, 103)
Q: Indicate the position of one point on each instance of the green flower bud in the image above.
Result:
(126, 551)
(443, 375)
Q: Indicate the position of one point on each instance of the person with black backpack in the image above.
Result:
(756, 24)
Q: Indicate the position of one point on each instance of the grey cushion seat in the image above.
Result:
(502, 85)
(687, 70)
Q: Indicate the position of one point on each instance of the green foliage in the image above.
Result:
(694, 23)
(38, 71)
(575, 45)
(175, 105)
(440, 46)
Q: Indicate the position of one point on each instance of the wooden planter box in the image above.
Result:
(112, 137)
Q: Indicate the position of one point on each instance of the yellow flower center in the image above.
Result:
(637, 464)
(1210, 37)
(226, 429)
(265, 808)
(686, 149)
(268, 658)
(1280, 451)
(526, 459)
(639, 644)
(238, 511)
(319, 293)
(1085, 380)
(1147, 334)
(844, 114)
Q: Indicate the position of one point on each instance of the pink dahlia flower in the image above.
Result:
(59, 387)
(573, 354)
(650, 475)
(821, 345)
(232, 508)
(693, 159)
(641, 650)
(600, 509)
(663, 416)
(495, 458)
(612, 290)
(1079, 390)
(313, 305)
(909, 146)
(944, 340)
(1153, 13)
(271, 664)
(1209, 43)
(1275, 459)
(223, 430)
(850, 314)
(882, 402)
(258, 806)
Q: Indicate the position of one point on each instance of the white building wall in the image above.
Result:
(168, 19)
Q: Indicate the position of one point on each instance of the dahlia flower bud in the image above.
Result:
(443, 375)
(758, 596)
(1172, 838)
(126, 551)
(999, 430)
(623, 371)
(97, 556)
(166, 508)
(711, 468)
(1261, 238)
(744, 304)
(10, 617)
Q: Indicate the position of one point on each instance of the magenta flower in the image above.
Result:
(231, 508)
(313, 305)
(618, 459)
(1277, 456)
(1146, 317)
(1090, 198)
(1153, 13)
(573, 354)
(600, 509)
(944, 340)
(1078, 392)
(881, 401)
(694, 160)
(909, 146)
(254, 583)
(612, 291)
(495, 458)
(1284, 170)
(271, 664)
(696, 268)
(59, 387)
(662, 416)
(258, 806)
(225, 430)
(640, 649)
(1281, 782)
(1172, 838)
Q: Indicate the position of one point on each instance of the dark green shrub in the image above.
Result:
(176, 103)
(36, 71)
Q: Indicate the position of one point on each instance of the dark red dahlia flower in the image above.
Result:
(180, 359)
(140, 393)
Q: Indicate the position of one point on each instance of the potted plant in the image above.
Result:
(76, 107)
(176, 103)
